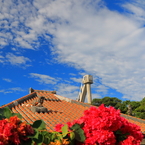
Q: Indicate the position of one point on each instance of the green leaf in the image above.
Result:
(39, 124)
(46, 136)
(44, 133)
(7, 112)
(35, 135)
(59, 136)
(17, 114)
(120, 136)
(64, 130)
(79, 135)
(1, 110)
(53, 136)
(38, 140)
(46, 140)
(72, 135)
(75, 127)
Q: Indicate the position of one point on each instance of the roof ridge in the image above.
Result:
(63, 98)
(133, 118)
(73, 101)
(20, 100)
(32, 90)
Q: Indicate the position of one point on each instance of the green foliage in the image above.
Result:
(107, 101)
(138, 107)
(64, 130)
(111, 101)
(39, 124)
(7, 113)
(143, 100)
(135, 104)
(96, 102)
(42, 136)
(123, 107)
(120, 136)
(78, 132)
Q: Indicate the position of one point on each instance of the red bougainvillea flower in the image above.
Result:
(101, 125)
(58, 127)
(12, 131)
(14, 120)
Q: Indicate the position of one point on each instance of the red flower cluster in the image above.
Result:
(12, 131)
(101, 125)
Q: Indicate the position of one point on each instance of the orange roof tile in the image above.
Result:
(60, 109)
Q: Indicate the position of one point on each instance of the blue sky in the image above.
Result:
(51, 44)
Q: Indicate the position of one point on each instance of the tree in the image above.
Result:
(123, 107)
(107, 101)
(96, 102)
(111, 101)
(140, 110)
(135, 104)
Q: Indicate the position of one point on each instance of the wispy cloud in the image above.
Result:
(17, 89)
(17, 60)
(43, 79)
(7, 80)
(136, 9)
(86, 35)
(67, 90)
(13, 59)
(1, 59)
(96, 96)
(105, 43)
(78, 80)
(102, 89)
(12, 90)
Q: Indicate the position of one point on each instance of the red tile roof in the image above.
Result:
(60, 109)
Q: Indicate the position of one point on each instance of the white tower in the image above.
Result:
(86, 89)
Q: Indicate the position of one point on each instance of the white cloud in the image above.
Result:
(13, 17)
(2, 91)
(136, 9)
(78, 80)
(95, 96)
(67, 90)
(1, 59)
(12, 90)
(72, 74)
(17, 60)
(102, 89)
(17, 89)
(13, 59)
(43, 79)
(7, 80)
(105, 43)
(86, 35)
